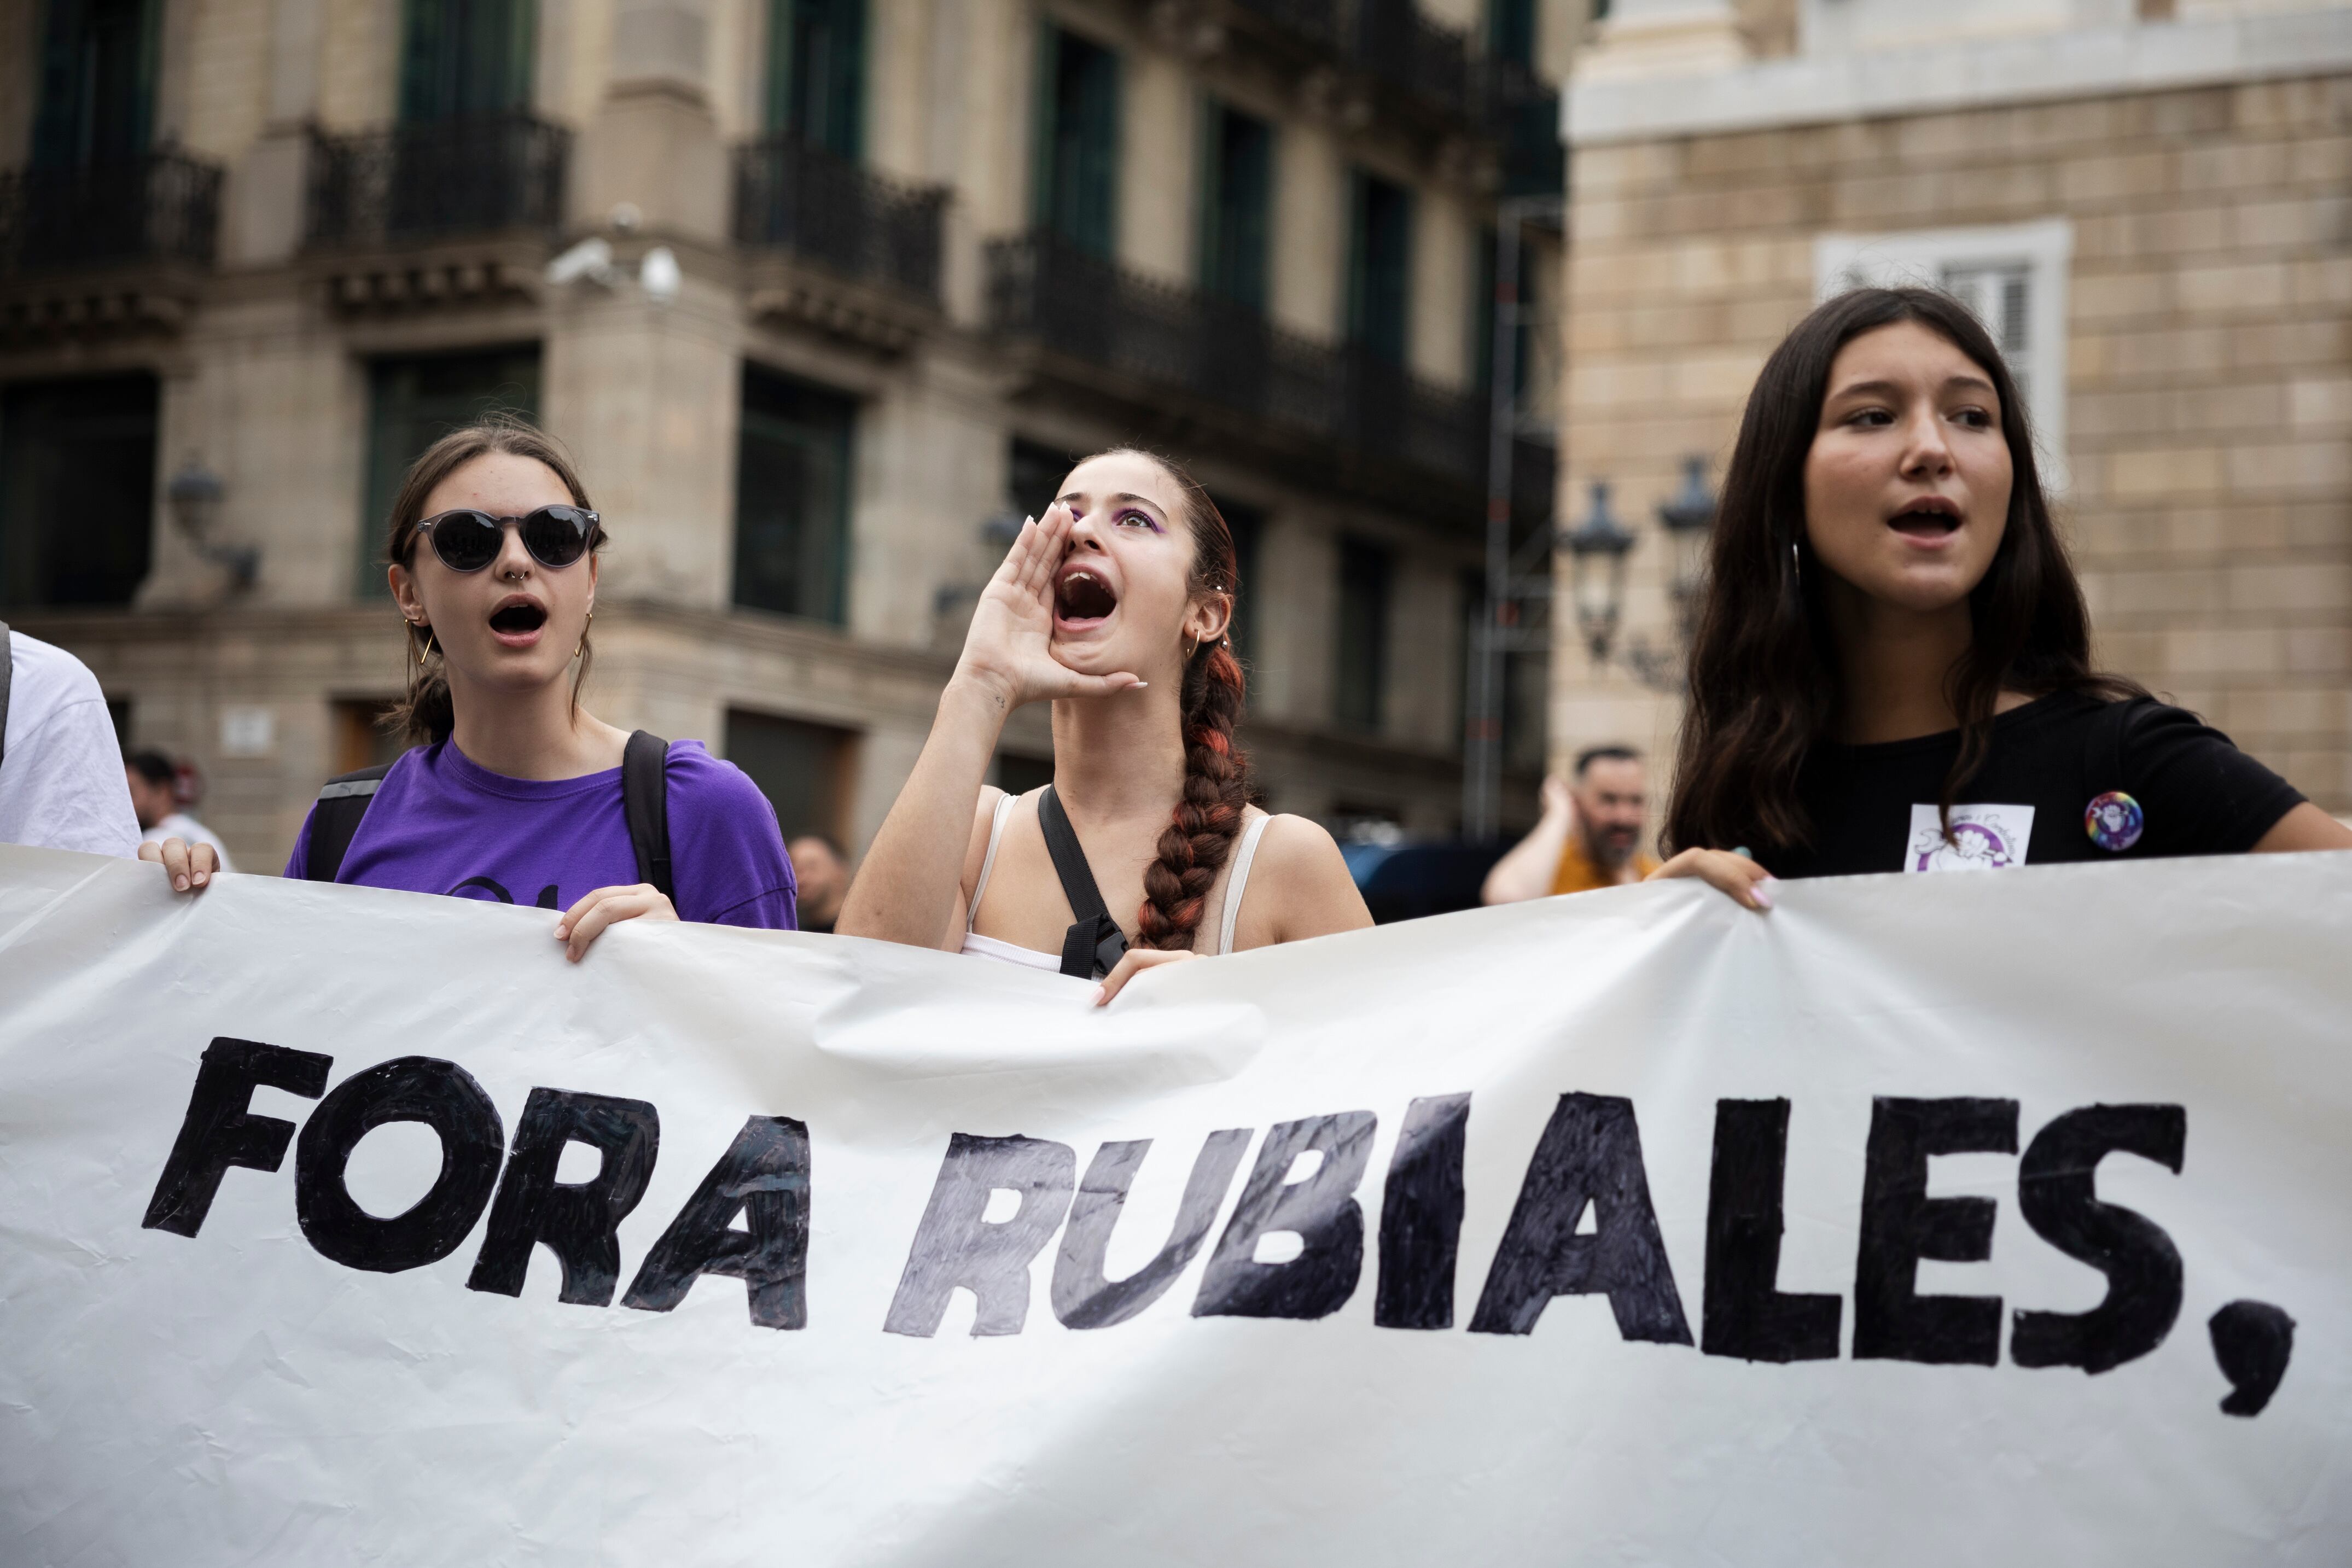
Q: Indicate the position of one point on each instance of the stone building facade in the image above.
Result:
(865, 274)
(2152, 204)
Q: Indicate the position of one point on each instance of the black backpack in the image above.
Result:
(645, 802)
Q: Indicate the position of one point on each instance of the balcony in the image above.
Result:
(437, 180)
(164, 207)
(1522, 115)
(1394, 43)
(1257, 382)
(799, 199)
(1316, 21)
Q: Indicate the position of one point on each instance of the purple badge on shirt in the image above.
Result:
(2113, 820)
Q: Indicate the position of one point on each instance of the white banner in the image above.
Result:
(1924, 1220)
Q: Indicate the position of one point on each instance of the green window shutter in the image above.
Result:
(461, 57)
(1359, 692)
(817, 73)
(1077, 171)
(1237, 181)
(792, 499)
(1379, 267)
(97, 81)
(1511, 31)
(414, 401)
(76, 489)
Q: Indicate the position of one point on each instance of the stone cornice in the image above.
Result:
(2088, 63)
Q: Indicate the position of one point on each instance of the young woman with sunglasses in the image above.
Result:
(513, 792)
(1114, 608)
(1891, 668)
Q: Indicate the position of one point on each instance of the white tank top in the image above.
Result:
(982, 946)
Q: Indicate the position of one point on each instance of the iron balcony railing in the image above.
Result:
(476, 174)
(1392, 40)
(1522, 114)
(1315, 20)
(796, 197)
(1044, 288)
(163, 206)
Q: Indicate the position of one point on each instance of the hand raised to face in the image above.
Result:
(1009, 649)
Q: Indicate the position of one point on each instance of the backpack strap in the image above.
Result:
(7, 664)
(335, 820)
(645, 802)
(1094, 944)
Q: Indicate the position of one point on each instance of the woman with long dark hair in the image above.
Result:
(1892, 663)
(1144, 850)
(513, 792)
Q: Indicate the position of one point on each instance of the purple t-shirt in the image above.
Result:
(440, 823)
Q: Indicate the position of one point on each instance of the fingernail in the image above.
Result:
(179, 882)
(1140, 684)
(1763, 891)
(1099, 995)
(202, 877)
(561, 932)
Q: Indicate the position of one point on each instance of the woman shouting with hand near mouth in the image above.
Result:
(514, 793)
(1143, 851)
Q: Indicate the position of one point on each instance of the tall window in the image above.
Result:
(1360, 688)
(816, 72)
(414, 401)
(77, 490)
(1035, 474)
(1249, 525)
(792, 497)
(1511, 30)
(803, 770)
(1077, 143)
(1380, 266)
(1237, 188)
(2014, 277)
(97, 81)
(462, 57)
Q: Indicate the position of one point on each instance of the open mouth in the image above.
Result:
(1081, 597)
(518, 620)
(1932, 520)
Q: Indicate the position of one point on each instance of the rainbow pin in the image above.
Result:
(2113, 820)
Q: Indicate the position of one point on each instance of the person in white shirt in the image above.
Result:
(61, 784)
(156, 796)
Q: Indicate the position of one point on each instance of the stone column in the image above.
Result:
(267, 186)
(653, 142)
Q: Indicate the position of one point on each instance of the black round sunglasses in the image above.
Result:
(467, 541)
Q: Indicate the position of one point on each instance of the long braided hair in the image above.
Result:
(1200, 832)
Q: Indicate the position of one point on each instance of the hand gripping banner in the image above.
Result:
(1932, 1220)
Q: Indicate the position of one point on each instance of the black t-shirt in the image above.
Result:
(2151, 780)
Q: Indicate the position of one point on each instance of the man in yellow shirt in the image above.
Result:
(1590, 836)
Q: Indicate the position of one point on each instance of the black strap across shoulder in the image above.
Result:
(1094, 944)
(335, 820)
(7, 664)
(645, 800)
(644, 803)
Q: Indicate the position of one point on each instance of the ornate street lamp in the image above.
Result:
(1597, 548)
(1687, 517)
